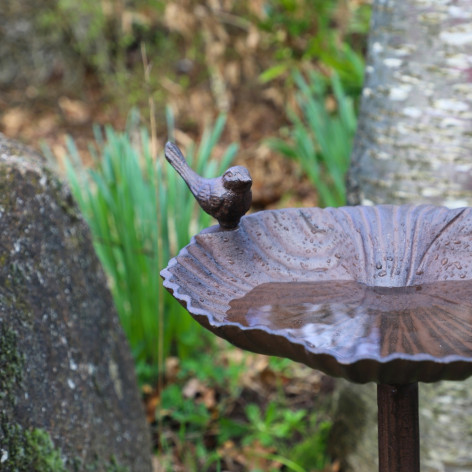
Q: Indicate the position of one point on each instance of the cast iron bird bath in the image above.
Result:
(381, 294)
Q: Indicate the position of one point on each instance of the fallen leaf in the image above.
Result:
(172, 368)
(196, 390)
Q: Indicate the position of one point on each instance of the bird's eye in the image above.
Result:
(229, 174)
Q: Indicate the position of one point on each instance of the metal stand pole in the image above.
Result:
(399, 443)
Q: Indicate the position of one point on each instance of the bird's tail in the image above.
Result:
(177, 160)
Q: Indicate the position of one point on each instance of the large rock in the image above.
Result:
(445, 427)
(68, 392)
(353, 436)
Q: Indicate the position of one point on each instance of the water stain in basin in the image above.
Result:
(350, 319)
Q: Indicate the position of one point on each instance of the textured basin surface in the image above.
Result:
(379, 294)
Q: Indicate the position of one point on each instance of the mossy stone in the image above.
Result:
(68, 391)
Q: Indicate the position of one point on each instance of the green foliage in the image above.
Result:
(298, 436)
(279, 426)
(190, 415)
(141, 213)
(321, 141)
(303, 31)
(311, 452)
(273, 425)
(346, 63)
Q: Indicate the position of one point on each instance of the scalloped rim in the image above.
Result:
(460, 367)
(418, 360)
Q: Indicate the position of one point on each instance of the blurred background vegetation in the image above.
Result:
(270, 84)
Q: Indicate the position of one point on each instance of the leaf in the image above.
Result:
(273, 72)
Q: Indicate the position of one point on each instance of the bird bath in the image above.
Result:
(371, 294)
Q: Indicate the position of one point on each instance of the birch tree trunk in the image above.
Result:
(414, 141)
(414, 144)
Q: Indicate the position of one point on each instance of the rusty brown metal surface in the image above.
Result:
(399, 432)
(377, 294)
(226, 198)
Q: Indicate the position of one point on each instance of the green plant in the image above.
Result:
(344, 61)
(310, 453)
(140, 214)
(216, 419)
(275, 424)
(321, 140)
(191, 416)
(330, 33)
(299, 438)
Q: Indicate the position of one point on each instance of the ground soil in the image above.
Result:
(46, 115)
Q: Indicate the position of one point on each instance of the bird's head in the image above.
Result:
(237, 178)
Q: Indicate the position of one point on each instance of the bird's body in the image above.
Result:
(226, 198)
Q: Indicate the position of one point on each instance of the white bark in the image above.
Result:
(414, 141)
(414, 144)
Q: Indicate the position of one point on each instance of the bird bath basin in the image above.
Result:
(386, 335)
(381, 294)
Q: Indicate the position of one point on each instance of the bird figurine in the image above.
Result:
(227, 198)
